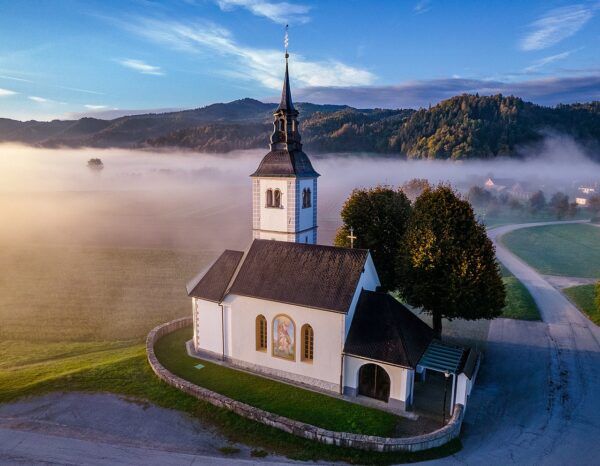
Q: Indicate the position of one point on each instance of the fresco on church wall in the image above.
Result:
(284, 338)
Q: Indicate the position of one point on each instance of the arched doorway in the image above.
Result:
(374, 382)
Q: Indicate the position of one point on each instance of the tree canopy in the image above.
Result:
(446, 264)
(378, 217)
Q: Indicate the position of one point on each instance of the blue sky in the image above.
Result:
(67, 58)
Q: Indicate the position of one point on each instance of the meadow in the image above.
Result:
(571, 250)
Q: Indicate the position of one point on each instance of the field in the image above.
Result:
(571, 250)
(584, 297)
(519, 303)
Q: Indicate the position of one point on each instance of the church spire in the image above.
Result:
(286, 103)
(285, 125)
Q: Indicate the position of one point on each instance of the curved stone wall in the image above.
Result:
(343, 439)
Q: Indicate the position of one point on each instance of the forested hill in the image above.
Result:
(466, 126)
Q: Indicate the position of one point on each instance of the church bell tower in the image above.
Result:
(284, 187)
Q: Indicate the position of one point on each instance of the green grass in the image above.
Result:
(125, 371)
(519, 302)
(571, 250)
(276, 397)
(91, 294)
(584, 297)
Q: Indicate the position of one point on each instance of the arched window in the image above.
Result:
(277, 198)
(308, 338)
(269, 198)
(306, 198)
(261, 333)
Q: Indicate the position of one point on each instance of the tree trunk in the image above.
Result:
(437, 325)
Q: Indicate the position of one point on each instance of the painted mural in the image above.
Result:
(284, 337)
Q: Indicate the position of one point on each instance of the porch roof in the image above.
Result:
(443, 358)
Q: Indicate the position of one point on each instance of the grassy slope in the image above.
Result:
(276, 397)
(519, 303)
(569, 250)
(584, 297)
(74, 319)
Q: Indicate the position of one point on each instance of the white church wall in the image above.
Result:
(306, 217)
(323, 371)
(400, 383)
(369, 280)
(273, 218)
(207, 327)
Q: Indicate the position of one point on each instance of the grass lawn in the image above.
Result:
(519, 303)
(571, 250)
(584, 296)
(276, 397)
(121, 368)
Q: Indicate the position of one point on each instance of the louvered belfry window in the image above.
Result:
(308, 338)
(261, 333)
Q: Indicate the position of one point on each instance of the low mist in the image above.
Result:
(202, 201)
(105, 254)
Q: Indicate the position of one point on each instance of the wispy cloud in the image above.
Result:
(39, 100)
(538, 64)
(278, 12)
(95, 107)
(415, 94)
(6, 92)
(14, 78)
(555, 26)
(422, 6)
(141, 66)
(262, 65)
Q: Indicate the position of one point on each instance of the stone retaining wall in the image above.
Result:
(343, 439)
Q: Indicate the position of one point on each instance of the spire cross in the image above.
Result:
(286, 41)
(351, 237)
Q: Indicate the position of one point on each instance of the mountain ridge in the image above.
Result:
(462, 127)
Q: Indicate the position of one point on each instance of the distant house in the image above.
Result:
(512, 188)
(585, 191)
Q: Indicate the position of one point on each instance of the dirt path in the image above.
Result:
(102, 429)
(536, 400)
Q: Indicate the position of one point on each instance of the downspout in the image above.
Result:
(223, 329)
(342, 375)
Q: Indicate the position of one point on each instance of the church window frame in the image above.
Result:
(277, 199)
(306, 198)
(307, 336)
(269, 198)
(261, 333)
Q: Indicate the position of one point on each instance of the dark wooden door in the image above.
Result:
(374, 382)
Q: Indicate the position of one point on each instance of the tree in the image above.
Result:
(95, 164)
(537, 202)
(378, 217)
(572, 210)
(594, 204)
(413, 188)
(446, 264)
(559, 203)
(479, 197)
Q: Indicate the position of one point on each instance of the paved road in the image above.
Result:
(537, 400)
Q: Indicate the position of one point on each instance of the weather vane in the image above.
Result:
(286, 41)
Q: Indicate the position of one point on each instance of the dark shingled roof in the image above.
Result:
(213, 284)
(384, 330)
(470, 363)
(286, 94)
(286, 164)
(323, 277)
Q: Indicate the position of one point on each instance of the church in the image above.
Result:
(291, 309)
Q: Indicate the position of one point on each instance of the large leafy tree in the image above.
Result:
(446, 263)
(378, 218)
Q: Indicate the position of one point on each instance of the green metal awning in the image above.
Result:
(442, 358)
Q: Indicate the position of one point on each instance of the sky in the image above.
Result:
(105, 58)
